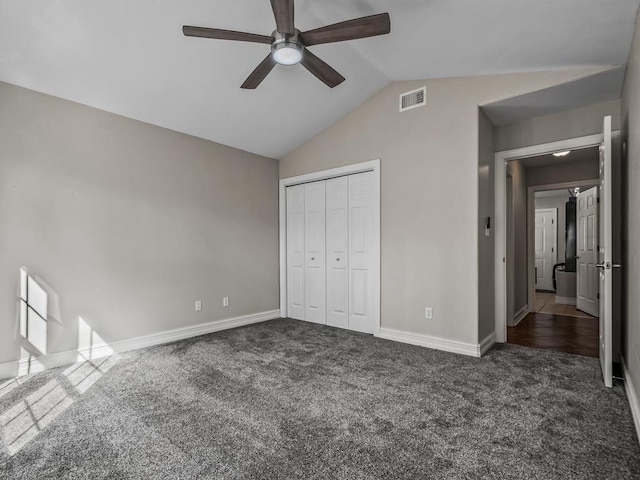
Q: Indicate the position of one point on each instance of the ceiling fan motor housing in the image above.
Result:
(287, 49)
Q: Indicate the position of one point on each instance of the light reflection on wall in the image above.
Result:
(34, 411)
(23, 421)
(90, 343)
(33, 313)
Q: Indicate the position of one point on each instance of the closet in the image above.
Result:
(330, 238)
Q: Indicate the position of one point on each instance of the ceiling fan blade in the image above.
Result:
(350, 30)
(260, 73)
(283, 11)
(225, 34)
(321, 69)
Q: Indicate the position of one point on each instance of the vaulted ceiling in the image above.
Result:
(130, 57)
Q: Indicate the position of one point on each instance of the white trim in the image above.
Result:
(436, 343)
(501, 159)
(632, 396)
(531, 228)
(370, 166)
(517, 318)
(38, 364)
(566, 300)
(487, 343)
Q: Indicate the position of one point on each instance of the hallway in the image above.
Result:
(558, 327)
(545, 303)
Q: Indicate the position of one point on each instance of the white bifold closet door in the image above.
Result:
(295, 252)
(330, 246)
(337, 252)
(315, 299)
(361, 245)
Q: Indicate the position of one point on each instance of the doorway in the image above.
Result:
(608, 248)
(569, 285)
(547, 282)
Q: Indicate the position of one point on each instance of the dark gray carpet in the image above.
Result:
(287, 399)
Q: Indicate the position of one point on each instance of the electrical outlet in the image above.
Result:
(225, 302)
(428, 312)
(198, 305)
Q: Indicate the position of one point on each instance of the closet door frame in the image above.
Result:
(370, 166)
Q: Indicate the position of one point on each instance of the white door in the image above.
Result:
(337, 252)
(606, 256)
(546, 239)
(361, 253)
(295, 252)
(314, 261)
(587, 252)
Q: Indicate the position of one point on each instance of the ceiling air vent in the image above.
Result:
(413, 99)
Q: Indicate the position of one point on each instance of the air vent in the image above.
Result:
(413, 99)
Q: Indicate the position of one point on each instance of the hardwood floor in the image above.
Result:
(577, 335)
(546, 303)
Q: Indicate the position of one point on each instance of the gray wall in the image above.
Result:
(127, 223)
(563, 172)
(518, 227)
(631, 162)
(558, 202)
(429, 248)
(559, 126)
(486, 247)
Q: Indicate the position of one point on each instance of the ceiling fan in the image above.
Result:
(289, 45)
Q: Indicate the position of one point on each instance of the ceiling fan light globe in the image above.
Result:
(287, 54)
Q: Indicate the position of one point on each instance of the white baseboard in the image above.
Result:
(38, 364)
(430, 342)
(517, 318)
(566, 300)
(633, 398)
(486, 344)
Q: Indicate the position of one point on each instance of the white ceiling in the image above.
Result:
(578, 155)
(129, 57)
(561, 193)
(553, 193)
(601, 87)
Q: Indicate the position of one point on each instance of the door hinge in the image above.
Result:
(552, 221)
(598, 296)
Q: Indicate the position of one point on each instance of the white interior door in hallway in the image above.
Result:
(546, 239)
(332, 242)
(587, 252)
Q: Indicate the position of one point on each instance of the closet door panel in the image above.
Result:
(337, 252)
(295, 252)
(361, 245)
(315, 255)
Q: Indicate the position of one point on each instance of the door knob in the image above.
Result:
(313, 258)
(337, 259)
(608, 265)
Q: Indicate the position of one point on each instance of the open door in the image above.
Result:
(605, 256)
